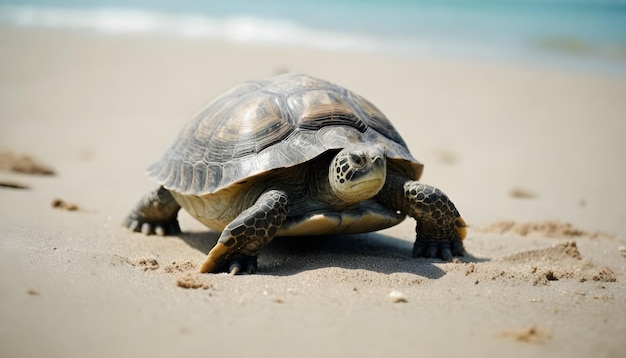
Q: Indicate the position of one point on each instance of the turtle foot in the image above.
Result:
(239, 263)
(138, 224)
(155, 213)
(220, 259)
(243, 238)
(443, 249)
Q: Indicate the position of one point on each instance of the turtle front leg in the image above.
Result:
(243, 239)
(155, 213)
(439, 230)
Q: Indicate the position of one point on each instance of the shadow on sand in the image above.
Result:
(375, 252)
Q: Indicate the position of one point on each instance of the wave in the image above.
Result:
(236, 28)
(574, 51)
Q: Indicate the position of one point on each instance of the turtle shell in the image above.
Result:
(275, 123)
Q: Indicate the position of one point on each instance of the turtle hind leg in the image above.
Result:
(243, 239)
(155, 213)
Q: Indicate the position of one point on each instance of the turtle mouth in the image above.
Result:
(367, 185)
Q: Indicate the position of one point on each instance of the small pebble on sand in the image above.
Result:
(397, 297)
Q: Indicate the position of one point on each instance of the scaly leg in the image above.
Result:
(439, 230)
(243, 239)
(155, 213)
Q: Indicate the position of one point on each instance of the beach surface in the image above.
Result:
(534, 159)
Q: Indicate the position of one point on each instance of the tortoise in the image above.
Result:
(293, 155)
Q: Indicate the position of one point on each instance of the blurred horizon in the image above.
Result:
(574, 34)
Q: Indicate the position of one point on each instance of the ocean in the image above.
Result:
(582, 35)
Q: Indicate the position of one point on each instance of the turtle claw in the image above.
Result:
(444, 252)
(155, 214)
(159, 231)
(456, 247)
(239, 263)
(136, 224)
(431, 251)
(132, 224)
(234, 269)
(443, 249)
(147, 229)
(219, 260)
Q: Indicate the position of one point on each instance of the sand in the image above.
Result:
(534, 159)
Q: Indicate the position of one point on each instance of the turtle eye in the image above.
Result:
(357, 160)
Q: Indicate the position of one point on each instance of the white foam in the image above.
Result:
(251, 29)
(234, 28)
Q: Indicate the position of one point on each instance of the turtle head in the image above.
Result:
(358, 173)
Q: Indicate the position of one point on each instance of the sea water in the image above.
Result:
(587, 35)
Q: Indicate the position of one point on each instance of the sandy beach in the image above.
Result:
(534, 159)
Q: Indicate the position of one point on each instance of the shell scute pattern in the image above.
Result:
(250, 125)
(321, 108)
(260, 126)
(375, 119)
